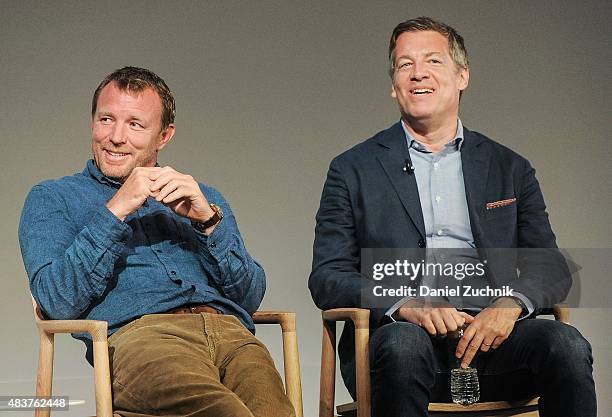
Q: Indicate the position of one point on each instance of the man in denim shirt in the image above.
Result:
(160, 258)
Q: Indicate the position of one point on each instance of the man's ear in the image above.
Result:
(166, 136)
(393, 93)
(464, 78)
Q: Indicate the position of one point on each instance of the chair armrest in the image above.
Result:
(96, 328)
(359, 316)
(44, 378)
(291, 356)
(361, 321)
(286, 319)
(561, 313)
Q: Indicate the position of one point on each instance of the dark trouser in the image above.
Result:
(193, 365)
(540, 358)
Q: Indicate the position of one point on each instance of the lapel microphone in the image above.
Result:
(408, 168)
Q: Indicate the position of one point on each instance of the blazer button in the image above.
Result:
(421, 243)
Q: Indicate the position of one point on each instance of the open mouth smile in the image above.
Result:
(421, 91)
(115, 155)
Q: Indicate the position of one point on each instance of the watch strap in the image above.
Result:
(213, 220)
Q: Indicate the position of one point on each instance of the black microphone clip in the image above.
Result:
(408, 168)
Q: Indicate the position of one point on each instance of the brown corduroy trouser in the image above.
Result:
(193, 365)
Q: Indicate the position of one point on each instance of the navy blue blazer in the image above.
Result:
(369, 201)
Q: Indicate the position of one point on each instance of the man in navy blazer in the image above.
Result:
(429, 183)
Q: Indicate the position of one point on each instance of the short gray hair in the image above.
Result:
(455, 40)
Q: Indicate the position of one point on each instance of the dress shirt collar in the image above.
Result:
(92, 170)
(455, 144)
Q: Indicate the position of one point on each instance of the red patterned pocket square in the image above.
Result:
(500, 203)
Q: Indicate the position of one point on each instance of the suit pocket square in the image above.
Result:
(500, 203)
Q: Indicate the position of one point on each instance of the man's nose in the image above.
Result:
(418, 72)
(118, 135)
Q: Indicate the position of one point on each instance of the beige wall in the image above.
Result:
(267, 93)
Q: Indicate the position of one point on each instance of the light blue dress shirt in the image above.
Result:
(439, 178)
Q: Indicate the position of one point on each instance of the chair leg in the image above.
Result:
(293, 384)
(104, 401)
(328, 370)
(362, 352)
(44, 376)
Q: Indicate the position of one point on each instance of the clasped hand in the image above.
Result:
(178, 191)
(488, 329)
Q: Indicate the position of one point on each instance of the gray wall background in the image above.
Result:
(267, 93)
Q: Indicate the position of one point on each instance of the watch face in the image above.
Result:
(214, 220)
(217, 209)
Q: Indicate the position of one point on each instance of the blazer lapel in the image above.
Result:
(392, 157)
(475, 158)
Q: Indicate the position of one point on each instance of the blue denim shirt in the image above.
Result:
(85, 263)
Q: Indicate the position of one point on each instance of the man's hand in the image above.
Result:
(178, 191)
(489, 329)
(181, 193)
(133, 192)
(437, 320)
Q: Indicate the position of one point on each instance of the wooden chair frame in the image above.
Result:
(98, 331)
(361, 408)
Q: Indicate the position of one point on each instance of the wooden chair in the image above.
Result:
(361, 408)
(98, 331)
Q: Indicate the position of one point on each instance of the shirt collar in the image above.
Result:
(94, 172)
(453, 145)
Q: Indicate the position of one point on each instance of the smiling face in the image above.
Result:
(426, 80)
(126, 131)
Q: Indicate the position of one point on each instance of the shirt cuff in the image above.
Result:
(528, 305)
(219, 241)
(389, 313)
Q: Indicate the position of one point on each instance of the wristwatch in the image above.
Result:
(212, 221)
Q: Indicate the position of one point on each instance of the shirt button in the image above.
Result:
(213, 245)
(172, 272)
(438, 198)
(436, 165)
(421, 243)
(440, 232)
